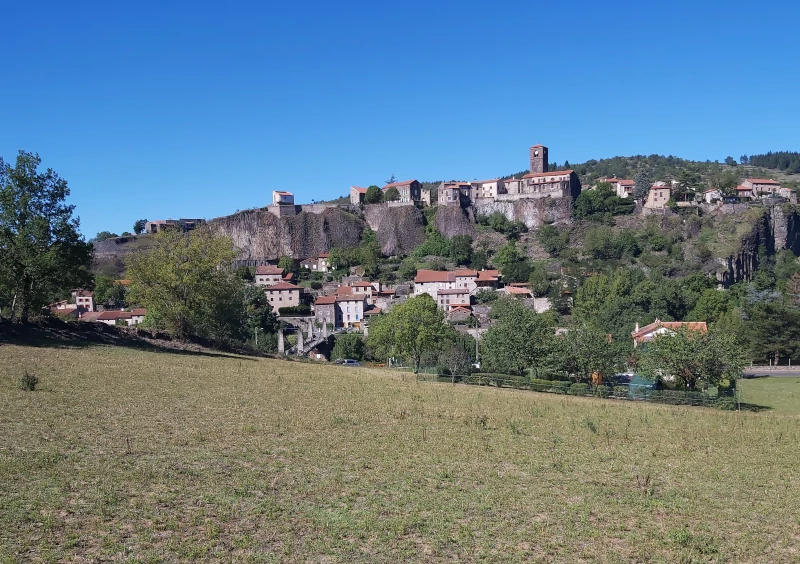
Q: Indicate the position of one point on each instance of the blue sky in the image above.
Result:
(193, 109)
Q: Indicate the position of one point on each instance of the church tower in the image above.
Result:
(539, 159)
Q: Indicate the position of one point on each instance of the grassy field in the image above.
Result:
(780, 394)
(138, 456)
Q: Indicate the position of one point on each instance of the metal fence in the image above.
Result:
(723, 399)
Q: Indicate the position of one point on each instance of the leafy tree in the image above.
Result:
(584, 350)
(42, 256)
(391, 195)
(373, 195)
(348, 346)
(600, 243)
(710, 306)
(730, 161)
(461, 249)
(591, 296)
(538, 281)
(553, 240)
(692, 357)
(508, 254)
(601, 204)
(186, 285)
(109, 291)
(479, 260)
(641, 186)
(517, 340)
(139, 225)
(456, 360)
(411, 330)
(103, 235)
(689, 183)
(288, 264)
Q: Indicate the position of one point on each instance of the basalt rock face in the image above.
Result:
(775, 230)
(261, 236)
(454, 220)
(532, 212)
(399, 229)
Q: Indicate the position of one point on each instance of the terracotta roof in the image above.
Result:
(359, 189)
(350, 297)
(325, 300)
(361, 285)
(451, 291)
(91, 315)
(463, 308)
(373, 311)
(627, 182)
(656, 187)
(517, 291)
(488, 275)
(763, 181)
(83, 294)
(466, 273)
(323, 255)
(742, 188)
(396, 184)
(344, 290)
(114, 315)
(486, 181)
(288, 276)
(423, 276)
(542, 174)
(282, 286)
(139, 311)
(269, 269)
(641, 334)
(283, 193)
(541, 146)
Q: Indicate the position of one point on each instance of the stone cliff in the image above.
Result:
(776, 229)
(399, 229)
(262, 236)
(532, 212)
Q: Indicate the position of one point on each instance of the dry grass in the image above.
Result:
(148, 457)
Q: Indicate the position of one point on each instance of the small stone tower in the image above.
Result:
(539, 161)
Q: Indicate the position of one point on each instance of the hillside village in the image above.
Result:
(315, 298)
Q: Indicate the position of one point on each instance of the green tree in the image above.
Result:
(508, 254)
(553, 240)
(692, 358)
(103, 235)
(461, 249)
(42, 256)
(109, 291)
(374, 195)
(349, 345)
(710, 306)
(591, 296)
(411, 329)
(584, 350)
(641, 186)
(288, 264)
(186, 284)
(391, 195)
(139, 225)
(600, 243)
(538, 281)
(518, 339)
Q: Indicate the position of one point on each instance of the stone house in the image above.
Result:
(711, 195)
(447, 299)
(325, 310)
(658, 327)
(283, 294)
(622, 186)
(761, 186)
(458, 313)
(512, 185)
(454, 194)
(560, 184)
(488, 280)
(744, 193)
(357, 195)
(323, 262)
(409, 190)
(132, 317)
(280, 198)
(84, 299)
(350, 310)
(362, 288)
(431, 281)
(486, 188)
(268, 275)
(309, 263)
(658, 197)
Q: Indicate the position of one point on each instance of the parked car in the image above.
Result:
(347, 362)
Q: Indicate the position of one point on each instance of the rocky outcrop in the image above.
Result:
(532, 212)
(776, 229)
(261, 236)
(399, 229)
(454, 220)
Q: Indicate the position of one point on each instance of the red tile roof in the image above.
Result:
(282, 286)
(488, 275)
(763, 181)
(283, 193)
(627, 183)
(361, 285)
(742, 188)
(139, 311)
(323, 255)
(542, 174)
(325, 300)
(397, 184)
(373, 311)
(269, 269)
(643, 333)
(424, 276)
(350, 297)
(518, 291)
(359, 189)
(114, 315)
(344, 290)
(464, 308)
(466, 273)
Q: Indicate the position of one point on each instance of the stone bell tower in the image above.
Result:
(539, 159)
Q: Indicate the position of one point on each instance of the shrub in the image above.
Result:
(316, 285)
(578, 389)
(602, 391)
(303, 309)
(620, 391)
(560, 387)
(28, 381)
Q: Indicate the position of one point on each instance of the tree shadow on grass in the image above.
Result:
(754, 407)
(54, 333)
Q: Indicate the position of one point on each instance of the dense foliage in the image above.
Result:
(42, 255)
(788, 161)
